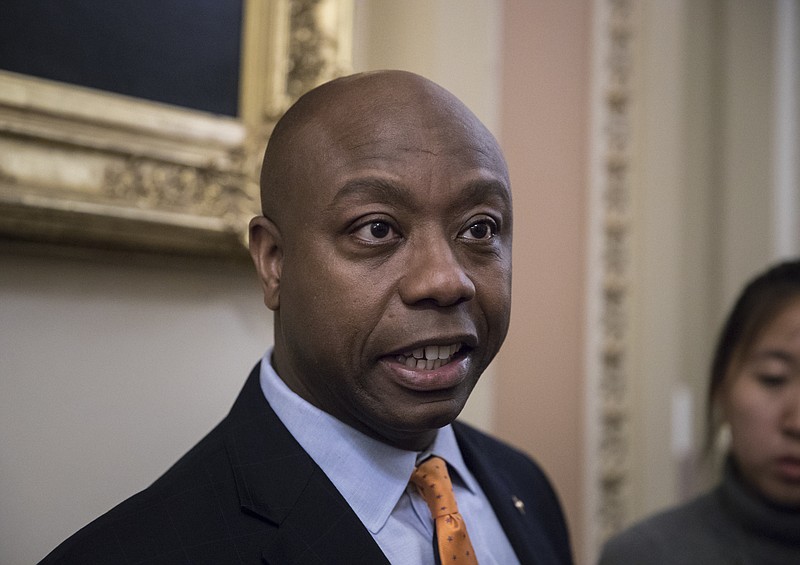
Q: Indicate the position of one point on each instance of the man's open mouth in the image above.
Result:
(429, 357)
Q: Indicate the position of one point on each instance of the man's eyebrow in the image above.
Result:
(483, 190)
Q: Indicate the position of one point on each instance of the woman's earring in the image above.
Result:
(722, 442)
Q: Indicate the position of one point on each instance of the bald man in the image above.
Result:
(384, 253)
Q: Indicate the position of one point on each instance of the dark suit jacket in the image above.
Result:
(248, 493)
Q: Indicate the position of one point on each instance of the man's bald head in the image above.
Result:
(384, 252)
(340, 111)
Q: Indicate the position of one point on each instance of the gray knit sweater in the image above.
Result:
(729, 525)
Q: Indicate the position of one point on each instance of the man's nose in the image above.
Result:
(434, 273)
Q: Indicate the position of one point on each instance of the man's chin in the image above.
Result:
(416, 430)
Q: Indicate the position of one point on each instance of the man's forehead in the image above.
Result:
(377, 188)
(382, 120)
(404, 146)
(397, 102)
(394, 129)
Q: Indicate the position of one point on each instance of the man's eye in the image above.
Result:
(376, 231)
(379, 229)
(480, 230)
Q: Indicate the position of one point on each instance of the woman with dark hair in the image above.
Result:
(753, 514)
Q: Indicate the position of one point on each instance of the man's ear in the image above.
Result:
(266, 249)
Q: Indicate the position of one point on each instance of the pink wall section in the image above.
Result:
(544, 132)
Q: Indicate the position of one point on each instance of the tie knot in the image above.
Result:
(432, 480)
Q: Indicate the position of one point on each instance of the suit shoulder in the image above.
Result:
(508, 475)
(513, 459)
(467, 433)
(158, 517)
(510, 467)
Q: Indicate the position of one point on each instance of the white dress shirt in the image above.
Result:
(373, 478)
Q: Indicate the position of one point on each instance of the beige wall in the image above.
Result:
(702, 221)
(111, 367)
(544, 133)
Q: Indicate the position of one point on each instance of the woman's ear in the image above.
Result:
(266, 249)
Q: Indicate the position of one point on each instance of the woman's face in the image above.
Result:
(761, 402)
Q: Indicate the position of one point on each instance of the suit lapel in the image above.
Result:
(525, 535)
(309, 521)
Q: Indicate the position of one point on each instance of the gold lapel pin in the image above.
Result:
(518, 504)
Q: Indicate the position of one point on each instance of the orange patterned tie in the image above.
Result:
(433, 483)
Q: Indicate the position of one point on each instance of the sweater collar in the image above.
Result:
(754, 512)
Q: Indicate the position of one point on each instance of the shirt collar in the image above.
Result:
(359, 466)
(446, 447)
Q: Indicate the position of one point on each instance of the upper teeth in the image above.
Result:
(428, 357)
(434, 351)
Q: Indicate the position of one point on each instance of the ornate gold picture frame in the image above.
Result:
(88, 168)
